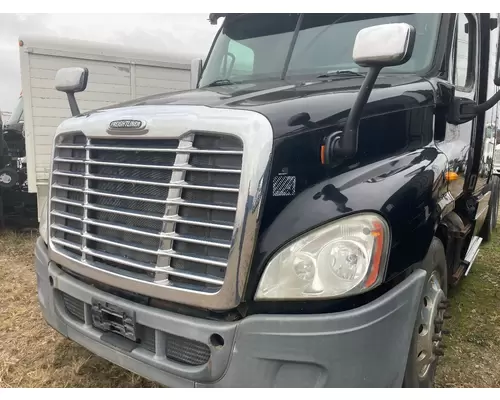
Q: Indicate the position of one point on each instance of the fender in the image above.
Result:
(404, 189)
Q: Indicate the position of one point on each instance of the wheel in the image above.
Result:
(426, 344)
(490, 221)
(8, 177)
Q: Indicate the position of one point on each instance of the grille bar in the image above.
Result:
(195, 277)
(121, 260)
(150, 149)
(179, 202)
(68, 202)
(66, 243)
(182, 185)
(136, 214)
(170, 167)
(173, 236)
(105, 225)
(204, 260)
(163, 211)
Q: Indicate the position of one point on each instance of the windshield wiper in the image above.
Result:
(339, 73)
(220, 82)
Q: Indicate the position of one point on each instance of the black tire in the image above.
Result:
(435, 261)
(490, 221)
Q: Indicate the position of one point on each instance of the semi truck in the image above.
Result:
(295, 219)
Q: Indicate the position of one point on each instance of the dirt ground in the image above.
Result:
(34, 355)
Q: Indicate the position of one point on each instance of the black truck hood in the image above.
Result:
(326, 101)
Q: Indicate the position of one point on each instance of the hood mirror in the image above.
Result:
(384, 45)
(375, 47)
(70, 81)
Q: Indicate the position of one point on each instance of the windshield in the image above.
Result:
(256, 46)
(17, 114)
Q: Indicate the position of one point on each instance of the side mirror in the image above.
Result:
(384, 45)
(196, 67)
(70, 81)
(464, 110)
(375, 47)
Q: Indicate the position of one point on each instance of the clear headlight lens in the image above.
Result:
(342, 258)
(42, 227)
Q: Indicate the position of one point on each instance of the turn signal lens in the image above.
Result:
(451, 176)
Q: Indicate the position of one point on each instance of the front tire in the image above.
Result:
(425, 347)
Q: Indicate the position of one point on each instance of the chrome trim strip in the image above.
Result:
(171, 210)
(201, 260)
(85, 203)
(187, 167)
(176, 122)
(152, 149)
(179, 184)
(194, 277)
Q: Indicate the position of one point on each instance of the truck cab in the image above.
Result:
(293, 220)
(18, 208)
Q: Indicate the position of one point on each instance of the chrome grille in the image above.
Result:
(158, 210)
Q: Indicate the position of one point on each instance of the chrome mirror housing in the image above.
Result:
(384, 45)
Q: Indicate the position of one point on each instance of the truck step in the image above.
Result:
(466, 264)
(472, 252)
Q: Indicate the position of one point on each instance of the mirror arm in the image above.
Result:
(345, 145)
(464, 110)
(73, 105)
(483, 107)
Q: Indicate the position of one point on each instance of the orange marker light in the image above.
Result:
(378, 234)
(322, 154)
(451, 176)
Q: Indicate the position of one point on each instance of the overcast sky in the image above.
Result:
(183, 33)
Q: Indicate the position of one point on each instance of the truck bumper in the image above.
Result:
(364, 347)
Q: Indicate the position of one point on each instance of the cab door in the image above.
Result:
(463, 73)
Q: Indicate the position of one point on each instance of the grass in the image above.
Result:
(472, 356)
(33, 355)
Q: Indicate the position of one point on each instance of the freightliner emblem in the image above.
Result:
(127, 125)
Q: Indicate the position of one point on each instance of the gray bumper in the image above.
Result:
(365, 347)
